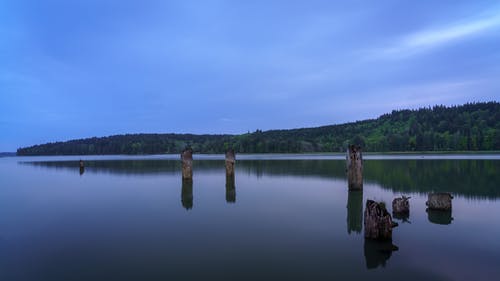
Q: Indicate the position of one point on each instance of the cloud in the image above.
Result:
(428, 39)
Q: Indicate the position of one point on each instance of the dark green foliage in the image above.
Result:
(470, 127)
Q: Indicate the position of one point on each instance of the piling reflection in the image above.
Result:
(467, 178)
(439, 216)
(354, 211)
(187, 194)
(230, 189)
(377, 253)
(403, 217)
(82, 167)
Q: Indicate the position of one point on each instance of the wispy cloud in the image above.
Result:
(427, 39)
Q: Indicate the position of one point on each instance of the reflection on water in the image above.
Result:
(403, 217)
(377, 253)
(354, 211)
(187, 194)
(82, 170)
(468, 178)
(123, 218)
(439, 216)
(230, 189)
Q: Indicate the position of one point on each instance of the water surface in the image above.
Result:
(285, 217)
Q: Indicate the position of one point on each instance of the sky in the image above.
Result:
(84, 68)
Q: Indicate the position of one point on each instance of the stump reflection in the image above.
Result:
(439, 216)
(230, 189)
(354, 211)
(187, 194)
(378, 252)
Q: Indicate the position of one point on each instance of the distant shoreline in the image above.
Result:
(337, 156)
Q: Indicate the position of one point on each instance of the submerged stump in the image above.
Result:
(439, 201)
(187, 164)
(354, 167)
(377, 222)
(401, 205)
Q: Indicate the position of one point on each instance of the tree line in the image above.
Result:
(468, 127)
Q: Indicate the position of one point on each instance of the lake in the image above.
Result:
(286, 217)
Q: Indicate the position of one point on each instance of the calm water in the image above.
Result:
(285, 218)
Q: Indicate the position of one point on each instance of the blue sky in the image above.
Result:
(74, 69)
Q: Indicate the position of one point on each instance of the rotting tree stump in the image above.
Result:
(354, 167)
(378, 222)
(187, 164)
(401, 205)
(439, 201)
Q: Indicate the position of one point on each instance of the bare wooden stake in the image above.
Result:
(354, 167)
(230, 160)
(187, 164)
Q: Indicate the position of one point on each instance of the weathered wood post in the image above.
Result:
(439, 201)
(230, 188)
(378, 222)
(354, 211)
(354, 167)
(187, 194)
(82, 167)
(230, 160)
(187, 164)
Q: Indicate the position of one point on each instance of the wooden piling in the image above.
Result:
(354, 167)
(187, 164)
(230, 160)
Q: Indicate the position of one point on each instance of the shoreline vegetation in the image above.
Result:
(469, 128)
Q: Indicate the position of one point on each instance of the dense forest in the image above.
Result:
(469, 127)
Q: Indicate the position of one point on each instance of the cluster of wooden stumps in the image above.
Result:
(377, 221)
(187, 177)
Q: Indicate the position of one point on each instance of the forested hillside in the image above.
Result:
(469, 127)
